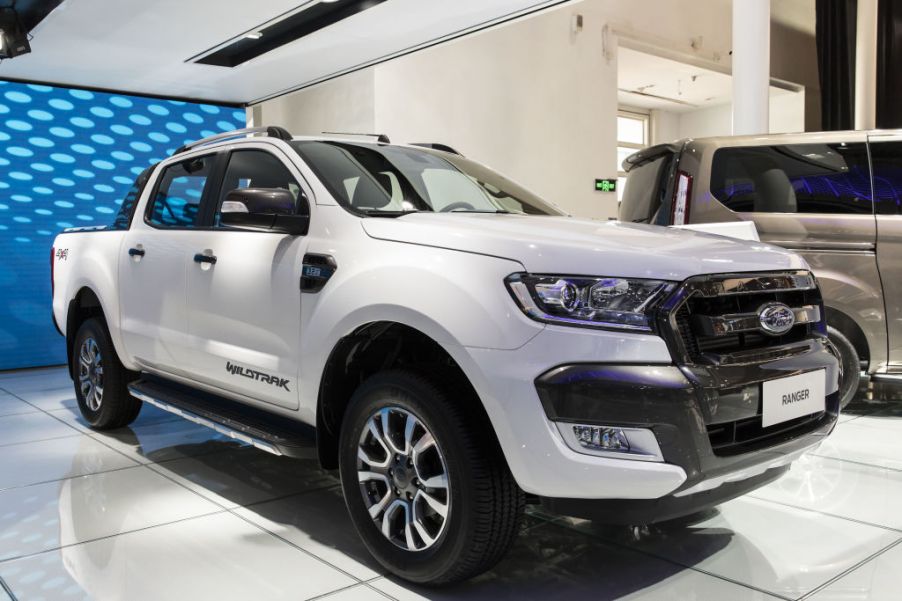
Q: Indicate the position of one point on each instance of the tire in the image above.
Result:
(482, 503)
(851, 366)
(103, 396)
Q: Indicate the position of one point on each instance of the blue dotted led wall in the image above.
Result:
(67, 158)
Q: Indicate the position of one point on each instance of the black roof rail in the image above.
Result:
(381, 138)
(437, 146)
(271, 131)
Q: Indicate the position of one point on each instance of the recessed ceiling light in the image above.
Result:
(328, 1)
(253, 36)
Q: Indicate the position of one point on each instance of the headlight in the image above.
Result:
(619, 303)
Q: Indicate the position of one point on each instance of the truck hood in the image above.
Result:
(583, 247)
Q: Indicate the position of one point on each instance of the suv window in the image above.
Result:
(257, 169)
(123, 218)
(795, 178)
(177, 199)
(646, 187)
(886, 158)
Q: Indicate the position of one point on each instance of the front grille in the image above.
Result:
(699, 304)
(708, 297)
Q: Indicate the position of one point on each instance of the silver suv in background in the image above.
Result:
(833, 197)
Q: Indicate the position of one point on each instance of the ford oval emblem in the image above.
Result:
(776, 318)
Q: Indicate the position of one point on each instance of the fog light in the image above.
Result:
(600, 438)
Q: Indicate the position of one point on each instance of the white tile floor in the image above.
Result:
(166, 509)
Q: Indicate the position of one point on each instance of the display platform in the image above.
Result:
(167, 509)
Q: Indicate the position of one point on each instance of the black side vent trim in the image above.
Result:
(316, 271)
(294, 27)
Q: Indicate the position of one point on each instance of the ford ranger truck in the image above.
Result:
(450, 342)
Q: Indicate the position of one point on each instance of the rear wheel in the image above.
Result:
(425, 483)
(101, 382)
(851, 366)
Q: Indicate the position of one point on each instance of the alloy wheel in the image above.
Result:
(403, 479)
(90, 373)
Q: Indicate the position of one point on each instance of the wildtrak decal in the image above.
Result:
(259, 376)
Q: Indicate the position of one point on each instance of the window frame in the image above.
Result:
(203, 214)
(226, 156)
(638, 115)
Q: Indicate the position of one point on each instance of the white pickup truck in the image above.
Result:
(455, 346)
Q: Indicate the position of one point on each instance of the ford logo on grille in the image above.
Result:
(776, 318)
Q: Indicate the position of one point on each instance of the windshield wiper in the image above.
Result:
(391, 213)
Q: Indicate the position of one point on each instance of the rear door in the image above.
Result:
(152, 266)
(886, 157)
(244, 309)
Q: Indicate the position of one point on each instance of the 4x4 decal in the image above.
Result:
(237, 370)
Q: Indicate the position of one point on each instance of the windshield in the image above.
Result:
(391, 180)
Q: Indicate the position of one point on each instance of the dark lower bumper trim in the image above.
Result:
(637, 512)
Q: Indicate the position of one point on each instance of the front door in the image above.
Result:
(152, 268)
(886, 158)
(244, 308)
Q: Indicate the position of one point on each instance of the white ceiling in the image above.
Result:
(141, 46)
(653, 82)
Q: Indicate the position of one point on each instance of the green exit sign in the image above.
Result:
(606, 185)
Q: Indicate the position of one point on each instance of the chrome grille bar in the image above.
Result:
(737, 323)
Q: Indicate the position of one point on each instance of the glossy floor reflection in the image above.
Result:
(166, 509)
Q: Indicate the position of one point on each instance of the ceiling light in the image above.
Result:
(253, 36)
(328, 1)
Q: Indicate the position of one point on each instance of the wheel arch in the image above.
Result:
(84, 305)
(851, 330)
(370, 348)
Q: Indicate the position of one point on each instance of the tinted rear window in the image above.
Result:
(646, 186)
(797, 178)
(123, 218)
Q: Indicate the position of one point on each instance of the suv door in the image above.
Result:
(244, 309)
(152, 267)
(886, 158)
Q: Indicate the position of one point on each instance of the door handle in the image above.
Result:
(201, 258)
(136, 252)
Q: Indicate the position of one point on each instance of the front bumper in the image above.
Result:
(706, 419)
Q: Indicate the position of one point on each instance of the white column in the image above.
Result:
(866, 65)
(751, 66)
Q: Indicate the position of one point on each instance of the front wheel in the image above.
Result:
(425, 483)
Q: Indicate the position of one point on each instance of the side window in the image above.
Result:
(177, 199)
(795, 178)
(123, 218)
(886, 158)
(259, 169)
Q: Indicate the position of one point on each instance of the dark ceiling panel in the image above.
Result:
(32, 12)
(289, 29)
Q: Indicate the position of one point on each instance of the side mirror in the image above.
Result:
(271, 209)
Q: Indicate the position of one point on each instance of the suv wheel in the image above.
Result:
(428, 489)
(101, 382)
(851, 366)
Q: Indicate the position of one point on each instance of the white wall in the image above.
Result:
(343, 104)
(530, 98)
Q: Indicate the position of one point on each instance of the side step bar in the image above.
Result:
(266, 431)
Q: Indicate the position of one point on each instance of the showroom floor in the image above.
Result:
(166, 509)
